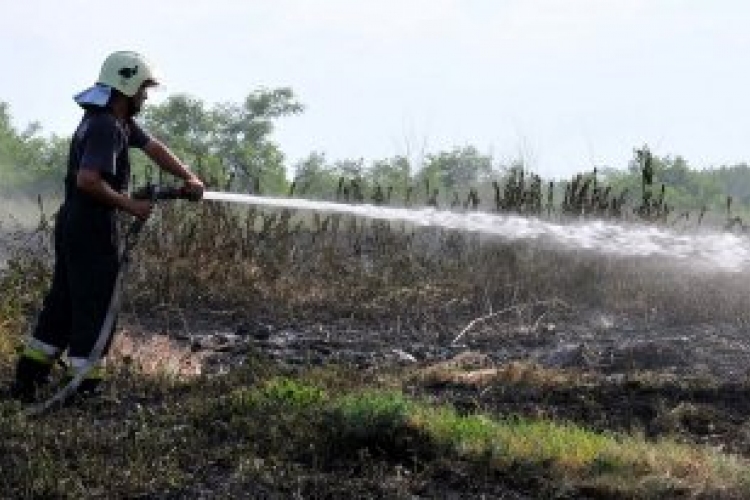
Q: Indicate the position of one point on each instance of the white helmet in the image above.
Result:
(126, 71)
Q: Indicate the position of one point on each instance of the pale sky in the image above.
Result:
(564, 84)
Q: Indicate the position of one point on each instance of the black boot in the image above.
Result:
(30, 376)
(89, 388)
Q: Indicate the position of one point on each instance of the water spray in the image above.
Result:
(709, 250)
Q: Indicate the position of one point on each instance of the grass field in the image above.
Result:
(434, 428)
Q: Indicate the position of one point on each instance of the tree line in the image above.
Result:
(231, 145)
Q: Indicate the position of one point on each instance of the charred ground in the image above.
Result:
(268, 355)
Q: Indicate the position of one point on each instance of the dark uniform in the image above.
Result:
(86, 251)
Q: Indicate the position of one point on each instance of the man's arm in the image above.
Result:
(165, 159)
(90, 181)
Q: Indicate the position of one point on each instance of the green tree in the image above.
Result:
(228, 142)
(314, 178)
(29, 162)
(451, 171)
(393, 174)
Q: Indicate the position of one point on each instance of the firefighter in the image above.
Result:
(85, 236)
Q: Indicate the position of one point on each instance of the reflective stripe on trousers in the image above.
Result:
(39, 351)
(77, 364)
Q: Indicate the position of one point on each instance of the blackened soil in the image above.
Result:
(620, 372)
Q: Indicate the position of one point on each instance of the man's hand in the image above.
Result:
(139, 208)
(194, 187)
(90, 182)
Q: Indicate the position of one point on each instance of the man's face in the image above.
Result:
(138, 100)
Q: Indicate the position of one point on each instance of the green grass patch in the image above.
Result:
(577, 456)
(260, 427)
(567, 454)
(278, 392)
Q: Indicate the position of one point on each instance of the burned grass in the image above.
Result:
(437, 426)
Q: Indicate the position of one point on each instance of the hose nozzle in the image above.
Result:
(156, 193)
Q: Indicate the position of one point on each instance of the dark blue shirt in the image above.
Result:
(101, 142)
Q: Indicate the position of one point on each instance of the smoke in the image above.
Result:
(21, 211)
(20, 217)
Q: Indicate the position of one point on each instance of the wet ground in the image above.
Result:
(600, 369)
(612, 344)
